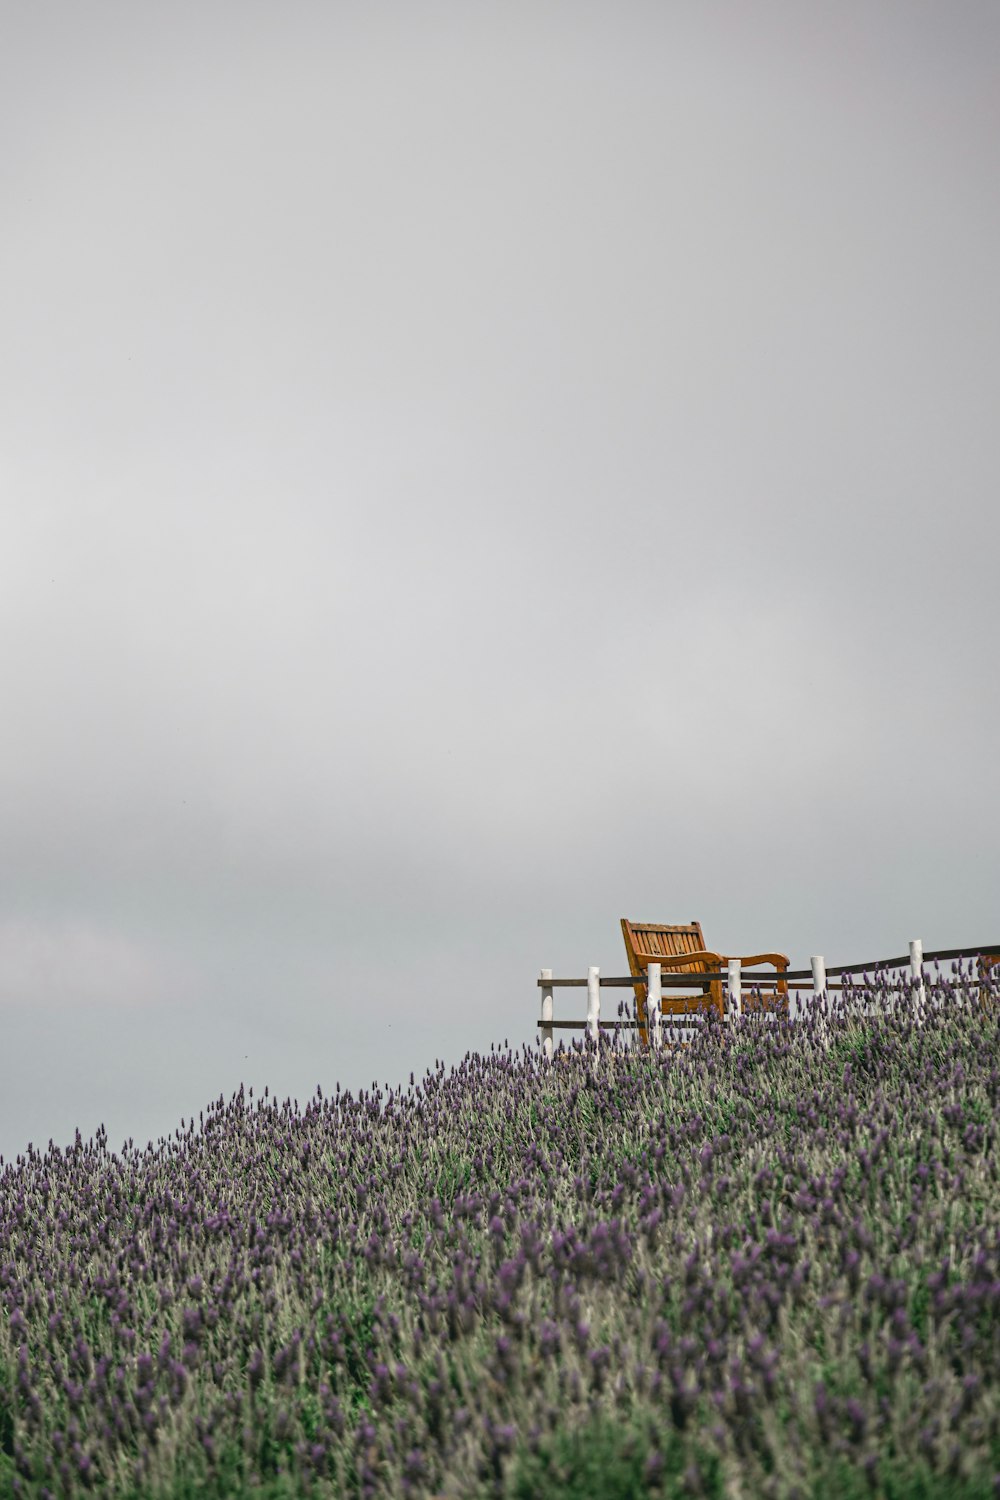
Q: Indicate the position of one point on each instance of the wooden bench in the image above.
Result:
(986, 964)
(681, 950)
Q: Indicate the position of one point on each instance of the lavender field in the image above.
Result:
(767, 1265)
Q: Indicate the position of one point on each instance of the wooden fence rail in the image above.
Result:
(816, 977)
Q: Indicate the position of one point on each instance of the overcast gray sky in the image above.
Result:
(470, 472)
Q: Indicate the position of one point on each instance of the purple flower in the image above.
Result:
(857, 1417)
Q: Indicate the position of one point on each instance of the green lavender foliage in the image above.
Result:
(766, 1265)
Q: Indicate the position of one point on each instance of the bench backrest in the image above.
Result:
(666, 941)
(672, 941)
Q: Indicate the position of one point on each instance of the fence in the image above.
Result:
(816, 980)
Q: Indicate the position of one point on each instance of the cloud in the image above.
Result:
(475, 475)
(75, 963)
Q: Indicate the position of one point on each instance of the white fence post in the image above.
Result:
(735, 989)
(593, 1001)
(917, 975)
(654, 998)
(546, 1013)
(821, 999)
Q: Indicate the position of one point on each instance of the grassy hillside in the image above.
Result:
(766, 1266)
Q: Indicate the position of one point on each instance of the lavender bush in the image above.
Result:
(766, 1265)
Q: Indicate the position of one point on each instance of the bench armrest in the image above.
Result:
(716, 960)
(780, 960)
(674, 960)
